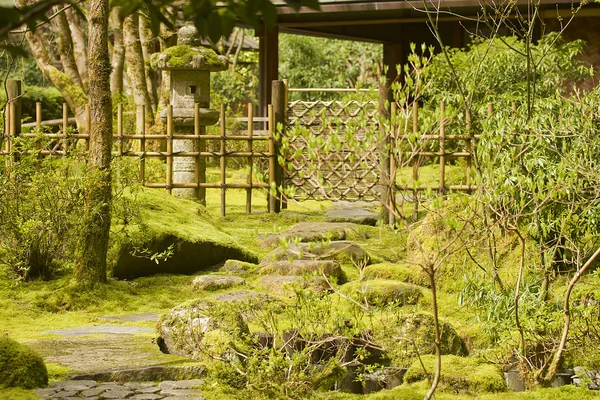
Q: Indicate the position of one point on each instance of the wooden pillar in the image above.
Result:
(278, 92)
(268, 65)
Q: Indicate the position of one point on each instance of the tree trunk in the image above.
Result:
(135, 66)
(118, 55)
(148, 42)
(65, 47)
(79, 44)
(73, 94)
(90, 262)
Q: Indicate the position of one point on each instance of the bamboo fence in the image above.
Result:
(65, 140)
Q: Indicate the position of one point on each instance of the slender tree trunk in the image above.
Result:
(65, 47)
(135, 66)
(90, 263)
(148, 42)
(77, 26)
(74, 95)
(118, 55)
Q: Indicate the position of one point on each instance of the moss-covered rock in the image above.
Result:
(20, 366)
(176, 228)
(418, 330)
(286, 286)
(216, 282)
(315, 232)
(237, 267)
(304, 267)
(460, 374)
(199, 329)
(405, 273)
(379, 292)
(342, 251)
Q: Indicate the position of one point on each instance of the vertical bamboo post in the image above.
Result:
(38, 128)
(13, 91)
(442, 148)
(88, 121)
(169, 154)
(200, 160)
(250, 162)
(223, 160)
(272, 155)
(120, 129)
(415, 174)
(7, 129)
(490, 109)
(143, 149)
(286, 101)
(392, 156)
(469, 143)
(65, 124)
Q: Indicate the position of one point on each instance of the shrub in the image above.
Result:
(20, 366)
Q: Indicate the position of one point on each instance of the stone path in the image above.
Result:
(92, 390)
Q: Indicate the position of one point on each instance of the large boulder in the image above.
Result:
(20, 366)
(172, 236)
(342, 251)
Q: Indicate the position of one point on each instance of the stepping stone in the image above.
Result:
(341, 251)
(99, 330)
(216, 282)
(314, 232)
(239, 268)
(356, 215)
(383, 292)
(74, 385)
(285, 285)
(303, 267)
(185, 384)
(149, 316)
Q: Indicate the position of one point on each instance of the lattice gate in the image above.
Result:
(331, 150)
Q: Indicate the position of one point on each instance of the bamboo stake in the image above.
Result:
(272, 199)
(169, 180)
(120, 129)
(392, 157)
(65, 123)
(249, 148)
(88, 121)
(469, 149)
(38, 127)
(143, 147)
(223, 160)
(200, 167)
(442, 148)
(415, 175)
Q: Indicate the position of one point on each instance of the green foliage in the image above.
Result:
(459, 374)
(20, 366)
(403, 273)
(379, 292)
(310, 62)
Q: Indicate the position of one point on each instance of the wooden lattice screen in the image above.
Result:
(318, 162)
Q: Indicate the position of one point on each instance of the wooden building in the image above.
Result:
(396, 23)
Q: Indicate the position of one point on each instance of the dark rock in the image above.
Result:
(394, 377)
(187, 258)
(514, 381)
(216, 282)
(341, 251)
(373, 382)
(314, 232)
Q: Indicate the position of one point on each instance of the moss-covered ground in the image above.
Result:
(29, 308)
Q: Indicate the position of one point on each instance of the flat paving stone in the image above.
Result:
(74, 384)
(64, 394)
(93, 391)
(356, 215)
(47, 392)
(139, 385)
(150, 390)
(99, 330)
(117, 394)
(148, 316)
(185, 384)
(179, 392)
(147, 396)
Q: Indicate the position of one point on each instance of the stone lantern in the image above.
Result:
(189, 66)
